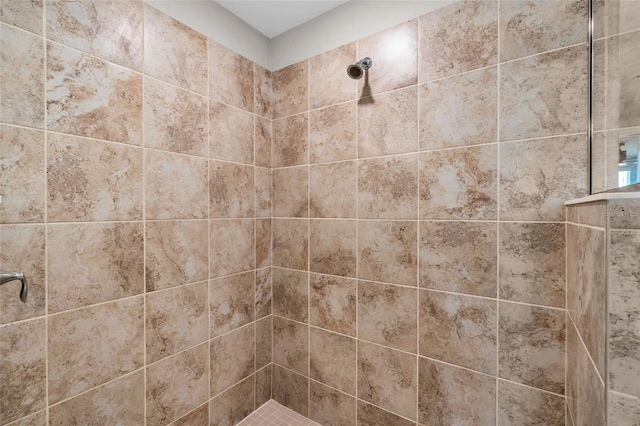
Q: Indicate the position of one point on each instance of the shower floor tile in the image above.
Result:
(275, 414)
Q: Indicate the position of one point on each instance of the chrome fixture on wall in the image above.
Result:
(356, 71)
(6, 277)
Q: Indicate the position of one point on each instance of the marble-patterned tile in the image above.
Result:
(263, 133)
(333, 132)
(112, 30)
(460, 257)
(263, 243)
(370, 415)
(387, 251)
(291, 141)
(120, 401)
(93, 263)
(169, 313)
(332, 247)
(233, 405)
(330, 407)
(333, 189)
(544, 95)
(624, 214)
(332, 304)
(177, 252)
(290, 243)
(263, 191)
(606, 84)
(92, 180)
(328, 84)
(264, 334)
(173, 52)
(538, 176)
(394, 52)
(263, 92)
(291, 345)
(388, 187)
(23, 375)
(23, 14)
(623, 409)
(524, 406)
(290, 91)
(460, 110)
(459, 330)
(231, 302)
(225, 258)
(36, 419)
(388, 123)
(290, 192)
(263, 290)
(448, 395)
(231, 190)
(531, 342)
(230, 77)
(333, 360)
(231, 134)
(174, 119)
(263, 385)
(91, 346)
(387, 378)
(197, 417)
(291, 294)
(22, 88)
(593, 214)
(532, 263)
(387, 315)
(90, 97)
(176, 186)
(177, 385)
(291, 390)
(458, 38)
(232, 358)
(459, 183)
(23, 175)
(23, 248)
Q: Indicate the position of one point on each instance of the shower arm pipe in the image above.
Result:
(7, 277)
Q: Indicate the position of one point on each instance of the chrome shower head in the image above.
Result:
(356, 71)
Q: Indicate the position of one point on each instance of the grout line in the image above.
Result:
(498, 210)
(308, 142)
(144, 226)
(46, 219)
(418, 229)
(584, 347)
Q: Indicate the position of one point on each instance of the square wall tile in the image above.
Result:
(333, 303)
(231, 190)
(520, 405)
(263, 134)
(291, 345)
(232, 358)
(290, 93)
(233, 405)
(231, 302)
(291, 390)
(263, 92)
(264, 339)
(23, 14)
(291, 243)
(263, 243)
(328, 406)
(231, 77)
(291, 294)
(290, 192)
(231, 134)
(328, 83)
(199, 416)
(333, 189)
(263, 293)
(291, 141)
(225, 258)
(264, 191)
(333, 133)
(371, 415)
(333, 360)
(263, 385)
(332, 247)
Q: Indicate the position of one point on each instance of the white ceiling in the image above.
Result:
(273, 18)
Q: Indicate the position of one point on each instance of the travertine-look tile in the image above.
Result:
(90, 97)
(92, 181)
(461, 37)
(460, 110)
(395, 58)
(174, 119)
(291, 390)
(629, 79)
(333, 360)
(120, 401)
(263, 243)
(112, 30)
(176, 186)
(23, 175)
(263, 92)
(291, 345)
(290, 192)
(459, 183)
(263, 385)
(532, 263)
(623, 409)
(231, 190)
(22, 80)
(230, 77)
(93, 263)
(388, 123)
(231, 134)
(523, 406)
(23, 14)
(290, 243)
(168, 314)
(459, 257)
(263, 191)
(333, 133)
(91, 346)
(544, 95)
(332, 247)
(232, 358)
(291, 294)
(333, 189)
(606, 80)
(332, 303)
(387, 251)
(37, 419)
(605, 157)
(449, 396)
(327, 82)
(173, 52)
(233, 405)
(225, 258)
(387, 378)
(177, 252)
(263, 293)
(199, 416)
(264, 333)
(263, 134)
(23, 386)
(459, 330)
(532, 346)
(371, 415)
(330, 407)
(290, 141)
(624, 214)
(387, 315)
(177, 385)
(593, 214)
(538, 176)
(290, 93)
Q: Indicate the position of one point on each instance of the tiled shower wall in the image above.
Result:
(135, 175)
(418, 219)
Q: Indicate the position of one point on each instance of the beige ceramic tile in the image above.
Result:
(262, 92)
(291, 294)
(624, 214)
(232, 358)
(231, 190)
(199, 416)
(90, 97)
(332, 304)
(23, 175)
(231, 135)
(230, 77)
(23, 14)
(22, 80)
(91, 346)
(92, 181)
(291, 390)
(93, 263)
(333, 360)
(333, 133)
(175, 186)
(328, 81)
(225, 258)
(263, 188)
(112, 30)
(37, 419)
(460, 257)
(333, 189)
(173, 52)
(624, 409)
(263, 386)
(291, 345)
(290, 243)
(606, 84)
(290, 141)
(168, 314)
(264, 338)
(290, 93)
(263, 243)
(234, 405)
(332, 247)
(629, 58)
(371, 415)
(263, 133)
(520, 405)
(290, 192)
(263, 293)
(330, 407)
(231, 302)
